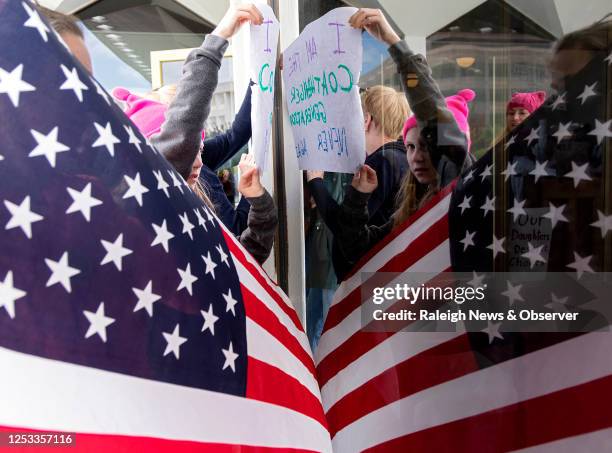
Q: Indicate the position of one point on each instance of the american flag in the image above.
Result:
(128, 314)
(489, 391)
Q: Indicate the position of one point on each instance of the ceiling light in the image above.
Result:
(113, 37)
(105, 27)
(98, 19)
(465, 62)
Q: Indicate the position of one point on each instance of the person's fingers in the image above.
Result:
(255, 15)
(356, 20)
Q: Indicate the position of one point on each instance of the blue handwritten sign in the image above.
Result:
(321, 73)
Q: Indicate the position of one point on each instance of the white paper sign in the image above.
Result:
(264, 40)
(321, 70)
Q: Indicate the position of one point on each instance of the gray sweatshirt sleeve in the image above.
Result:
(180, 137)
(261, 227)
(426, 101)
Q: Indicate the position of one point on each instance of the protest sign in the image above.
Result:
(321, 70)
(264, 40)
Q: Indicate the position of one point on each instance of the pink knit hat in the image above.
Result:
(458, 105)
(527, 101)
(146, 114)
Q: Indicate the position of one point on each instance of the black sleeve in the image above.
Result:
(327, 206)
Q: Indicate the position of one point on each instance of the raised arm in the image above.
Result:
(180, 137)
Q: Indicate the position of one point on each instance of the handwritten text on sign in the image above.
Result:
(264, 39)
(321, 71)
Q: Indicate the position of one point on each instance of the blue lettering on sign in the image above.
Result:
(300, 148)
(333, 139)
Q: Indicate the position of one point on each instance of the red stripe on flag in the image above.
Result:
(239, 255)
(262, 315)
(101, 443)
(421, 246)
(401, 227)
(272, 385)
(566, 413)
(434, 366)
(357, 345)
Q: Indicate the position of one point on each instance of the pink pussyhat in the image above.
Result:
(146, 114)
(528, 101)
(458, 105)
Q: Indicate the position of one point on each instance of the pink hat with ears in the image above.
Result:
(458, 105)
(528, 101)
(146, 114)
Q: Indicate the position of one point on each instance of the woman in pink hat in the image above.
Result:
(520, 106)
(437, 140)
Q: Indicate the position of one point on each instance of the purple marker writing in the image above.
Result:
(267, 22)
(337, 25)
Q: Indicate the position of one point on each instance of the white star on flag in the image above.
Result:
(534, 255)
(136, 188)
(510, 170)
(187, 225)
(115, 251)
(601, 131)
(533, 135)
(581, 265)
(539, 170)
(230, 302)
(222, 255)
(230, 358)
(176, 182)
(47, 145)
(467, 240)
(497, 246)
(210, 265)
(101, 92)
(187, 279)
(604, 223)
(589, 91)
(510, 142)
(161, 182)
(162, 235)
(201, 221)
(22, 216)
(61, 272)
(563, 131)
(513, 293)
(470, 175)
(555, 214)
(492, 330)
(517, 209)
(578, 173)
(34, 21)
(132, 138)
(558, 303)
(465, 204)
(486, 172)
(209, 320)
(559, 100)
(82, 201)
(174, 341)
(9, 294)
(98, 322)
(488, 206)
(146, 298)
(106, 138)
(477, 280)
(13, 85)
(73, 82)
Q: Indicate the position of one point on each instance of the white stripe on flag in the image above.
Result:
(253, 285)
(435, 261)
(393, 351)
(535, 374)
(46, 394)
(403, 240)
(259, 269)
(263, 346)
(594, 442)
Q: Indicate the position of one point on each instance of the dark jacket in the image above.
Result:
(180, 138)
(390, 164)
(217, 150)
(446, 143)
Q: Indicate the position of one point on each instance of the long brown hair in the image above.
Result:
(412, 195)
(201, 191)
